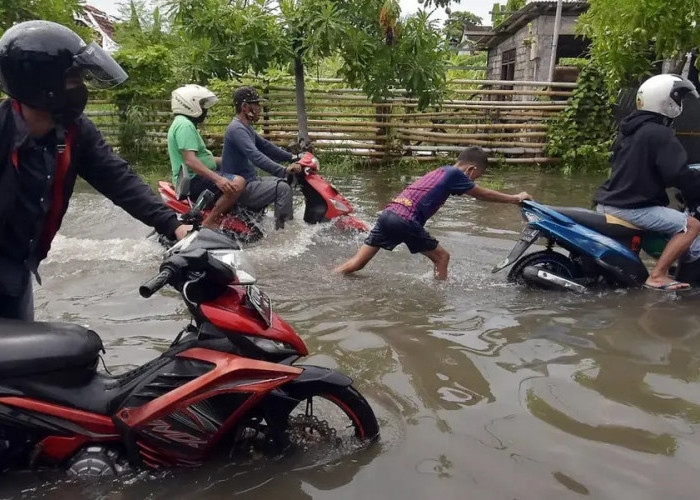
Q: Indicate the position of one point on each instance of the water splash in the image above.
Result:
(66, 249)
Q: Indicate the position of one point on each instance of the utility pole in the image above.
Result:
(555, 41)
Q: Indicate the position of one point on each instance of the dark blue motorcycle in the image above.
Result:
(602, 250)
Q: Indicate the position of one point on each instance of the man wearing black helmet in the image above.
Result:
(245, 149)
(46, 142)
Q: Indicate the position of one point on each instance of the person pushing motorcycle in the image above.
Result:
(403, 218)
(647, 158)
(46, 142)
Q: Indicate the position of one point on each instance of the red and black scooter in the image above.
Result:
(228, 382)
(323, 203)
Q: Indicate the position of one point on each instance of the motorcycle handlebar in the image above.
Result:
(156, 283)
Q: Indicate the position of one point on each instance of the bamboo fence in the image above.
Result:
(509, 124)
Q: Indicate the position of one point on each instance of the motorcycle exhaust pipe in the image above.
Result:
(549, 279)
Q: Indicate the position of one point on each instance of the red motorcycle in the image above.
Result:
(228, 382)
(323, 203)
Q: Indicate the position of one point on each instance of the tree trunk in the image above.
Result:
(300, 88)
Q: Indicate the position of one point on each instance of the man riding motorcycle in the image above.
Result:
(648, 158)
(46, 142)
(245, 149)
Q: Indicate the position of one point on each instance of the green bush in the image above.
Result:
(582, 135)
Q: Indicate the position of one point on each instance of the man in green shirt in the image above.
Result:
(186, 147)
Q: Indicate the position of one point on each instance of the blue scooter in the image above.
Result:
(602, 250)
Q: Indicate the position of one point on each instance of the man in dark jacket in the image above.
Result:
(46, 142)
(648, 158)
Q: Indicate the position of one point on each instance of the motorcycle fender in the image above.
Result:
(527, 238)
(313, 380)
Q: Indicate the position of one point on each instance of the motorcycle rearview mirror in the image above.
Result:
(204, 200)
(194, 215)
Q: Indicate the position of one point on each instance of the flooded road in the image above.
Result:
(483, 390)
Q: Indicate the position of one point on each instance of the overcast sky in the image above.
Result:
(479, 7)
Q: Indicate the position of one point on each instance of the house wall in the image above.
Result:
(522, 53)
(545, 38)
(531, 62)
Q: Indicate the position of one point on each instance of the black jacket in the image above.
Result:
(647, 158)
(94, 161)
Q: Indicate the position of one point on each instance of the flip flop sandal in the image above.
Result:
(668, 287)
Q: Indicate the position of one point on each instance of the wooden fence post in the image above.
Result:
(266, 107)
(381, 115)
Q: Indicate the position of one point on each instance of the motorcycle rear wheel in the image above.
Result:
(548, 260)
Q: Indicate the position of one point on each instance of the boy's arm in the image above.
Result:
(485, 194)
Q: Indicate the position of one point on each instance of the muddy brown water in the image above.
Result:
(482, 389)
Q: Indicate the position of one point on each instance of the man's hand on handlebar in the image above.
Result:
(294, 168)
(182, 231)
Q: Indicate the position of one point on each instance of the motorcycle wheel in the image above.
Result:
(332, 415)
(551, 261)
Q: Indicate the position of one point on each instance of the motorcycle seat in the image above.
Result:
(606, 224)
(28, 348)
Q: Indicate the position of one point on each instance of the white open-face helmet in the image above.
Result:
(192, 100)
(664, 94)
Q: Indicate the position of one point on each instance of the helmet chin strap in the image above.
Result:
(60, 131)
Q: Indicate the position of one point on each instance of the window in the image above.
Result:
(508, 65)
(507, 73)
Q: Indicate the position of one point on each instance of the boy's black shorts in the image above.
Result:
(392, 230)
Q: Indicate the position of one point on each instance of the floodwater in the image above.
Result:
(482, 389)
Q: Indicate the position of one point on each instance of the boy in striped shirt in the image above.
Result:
(403, 218)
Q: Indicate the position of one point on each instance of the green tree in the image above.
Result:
(500, 13)
(457, 23)
(379, 49)
(147, 53)
(59, 11)
(628, 36)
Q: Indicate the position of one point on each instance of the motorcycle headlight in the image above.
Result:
(271, 346)
(236, 260)
(339, 205)
(531, 216)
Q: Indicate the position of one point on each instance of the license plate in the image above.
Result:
(529, 234)
(261, 303)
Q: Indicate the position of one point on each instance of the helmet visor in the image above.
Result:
(208, 102)
(99, 69)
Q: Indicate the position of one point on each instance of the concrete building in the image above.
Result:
(520, 47)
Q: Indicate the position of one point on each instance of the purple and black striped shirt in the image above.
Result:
(419, 201)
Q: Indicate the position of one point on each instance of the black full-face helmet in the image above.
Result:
(36, 57)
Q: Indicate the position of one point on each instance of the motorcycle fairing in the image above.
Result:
(227, 313)
(183, 425)
(621, 262)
